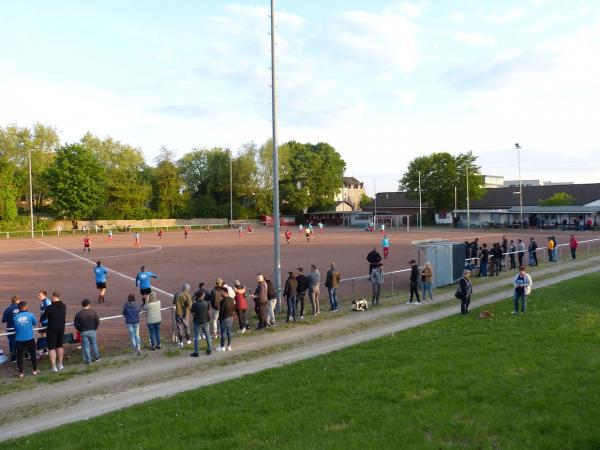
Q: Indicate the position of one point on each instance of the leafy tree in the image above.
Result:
(364, 199)
(128, 189)
(440, 174)
(77, 182)
(8, 191)
(558, 199)
(167, 185)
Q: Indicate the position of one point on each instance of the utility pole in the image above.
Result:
(518, 148)
(468, 205)
(420, 208)
(30, 197)
(230, 191)
(276, 245)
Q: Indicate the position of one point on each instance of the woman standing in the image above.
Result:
(241, 305)
(290, 292)
(464, 292)
(260, 302)
(426, 277)
(131, 312)
(153, 319)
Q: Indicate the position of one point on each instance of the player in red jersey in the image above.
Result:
(87, 242)
(160, 233)
(186, 231)
(288, 236)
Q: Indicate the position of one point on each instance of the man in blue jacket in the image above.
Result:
(143, 280)
(8, 317)
(24, 322)
(100, 273)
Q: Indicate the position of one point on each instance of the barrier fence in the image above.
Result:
(355, 287)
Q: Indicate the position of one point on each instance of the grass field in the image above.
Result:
(514, 381)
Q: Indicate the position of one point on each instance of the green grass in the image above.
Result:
(514, 381)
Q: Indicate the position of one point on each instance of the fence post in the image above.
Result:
(353, 296)
(392, 283)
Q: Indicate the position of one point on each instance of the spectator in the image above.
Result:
(521, 252)
(496, 255)
(183, 302)
(241, 305)
(464, 292)
(25, 342)
(374, 258)
(522, 283)
(314, 281)
(215, 301)
(45, 302)
(260, 302)
(414, 282)
(290, 292)
(56, 314)
(302, 288)
(271, 301)
(143, 279)
(550, 249)
(555, 249)
(226, 311)
(153, 320)
(87, 322)
(504, 248)
(376, 278)
(131, 311)
(8, 317)
(470, 265)
(573, 244)
(200, 290)
(332, 282)
(426, 278)
(483, 261)
(512, 248)
(201, 314)
(533, 261)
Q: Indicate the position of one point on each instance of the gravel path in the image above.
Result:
(86, 396)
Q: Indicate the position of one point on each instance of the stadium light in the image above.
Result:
(468, 205)
(518, 148)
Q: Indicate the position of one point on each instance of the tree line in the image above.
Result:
(105, 179)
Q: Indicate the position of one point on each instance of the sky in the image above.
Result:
(382, 81)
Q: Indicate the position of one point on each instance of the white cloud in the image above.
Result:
(406, 97)
(475, 39)
(544, 23)
(457, 18)
(504, 17)
(409, 9)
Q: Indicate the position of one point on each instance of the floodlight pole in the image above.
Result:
(468, 204)
(230, 190)
(375, 192)
(30, 196)
(276, 245)
(420, 208)
(518, 148)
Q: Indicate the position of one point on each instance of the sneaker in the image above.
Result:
(138, 352)
(229, 346)
(244, 330)
(418, 303)
(301, 317)
(189, 342)
(514, 312)
(158, 347)
(152, 347)
(96, 359)
(409, 303)
(522, 312)
(220, 349)
(60, 367)
(208, 352)
(54, 369)
(35, 372)
(180, 345)
(21, 375)
(194, 355)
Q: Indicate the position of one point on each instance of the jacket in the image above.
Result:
(261, 293)
(414, 273)
(525, 283)
(332, 279)
(152, 310)
(240, 298)
(465, 288)
(183, 303)
(373, 257)
(291, 288)
(270, 290)
(427, 274)
(201, 311)
(302, 283)
(86, 320)
(376, 276)
(226, 308)
(131, 311)
(216, 295)
(314, 279)
(56, 314)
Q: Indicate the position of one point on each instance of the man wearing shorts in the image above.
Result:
(142, 280)
(110, 235)
(87, 242)
(100, 272)
(56, 314)
(136, 239)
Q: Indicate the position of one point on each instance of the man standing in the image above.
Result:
(260, 301)
(464, 292)
(374, 258)
(376, 278)
(512, 248)
(414, 282)
(8, 317)
(332, 282)
(302, 288)
(271, 301)
(314, 280)
(56, 314)
(216, 295)
(201, 314)
(87, 322)
(522, 283)
(483, 261)
(550, 249)
(100, 272)
(143, 279)
(573, 244)
(183, 302)
(226, 311)
(521, 250)
(533, 261)
(24, 322)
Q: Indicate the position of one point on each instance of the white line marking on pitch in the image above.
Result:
(93, 262)
(156, 249)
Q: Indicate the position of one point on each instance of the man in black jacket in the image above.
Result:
(226, 312)
(374, 258)
(87, 322)
(201, 315)
(414, 282)
(56, 314)
(302, 288)
(533, 261)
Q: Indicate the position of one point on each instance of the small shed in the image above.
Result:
(447, 259)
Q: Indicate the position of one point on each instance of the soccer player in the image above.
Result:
(110, 235)
(100, 272)
(307, 234)
(240, 231)
(208, 228)
(288, 236)
(160, 233)
(87, 242)
(136, 239)
(320, 227)
(250, 229)
(385, 243)
(383, 228)
(186, 231)
(143, 280)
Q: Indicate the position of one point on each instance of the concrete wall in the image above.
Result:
(147, 223)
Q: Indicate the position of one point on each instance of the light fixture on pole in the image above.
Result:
(420, 205)
(518, 148)
(468, 204)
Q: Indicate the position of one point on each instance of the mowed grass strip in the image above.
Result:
(514, 381)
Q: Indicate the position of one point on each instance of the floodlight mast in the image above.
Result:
(276, 247)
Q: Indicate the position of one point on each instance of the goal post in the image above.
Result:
(392, 222)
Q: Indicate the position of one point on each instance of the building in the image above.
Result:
(493, 181)
(351, 192)
(515, 183)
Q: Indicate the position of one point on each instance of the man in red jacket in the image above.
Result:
(573, 244)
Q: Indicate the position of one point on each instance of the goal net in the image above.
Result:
(392, 222)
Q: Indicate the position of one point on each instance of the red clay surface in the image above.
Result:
(27, 266)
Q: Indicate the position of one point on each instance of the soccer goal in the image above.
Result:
(392, 222)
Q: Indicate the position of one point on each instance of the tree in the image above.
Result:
(364, 199)
(441, 173)
(557, 199)
(8, 191)
(167, 186)
(77, 182)
(128, 189)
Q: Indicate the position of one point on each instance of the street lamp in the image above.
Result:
(518, 148)
(468, 204)
(230, 190)
(30, 196)
(420, 205)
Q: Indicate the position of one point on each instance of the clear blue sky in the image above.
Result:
(383, 81)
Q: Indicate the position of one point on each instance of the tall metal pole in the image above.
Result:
(30, 197)
(518, 147)
(375, 192)
(230, 191)
(420, 208)
(276, 247)
(468, 204)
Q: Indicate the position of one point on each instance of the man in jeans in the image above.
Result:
(87, 322)
(201, 314)
(314, 280)
(226, 311)
(332, 282)
(522, 283)
(183, 302)
(302, 288)
(414, 282)
(376, 278)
